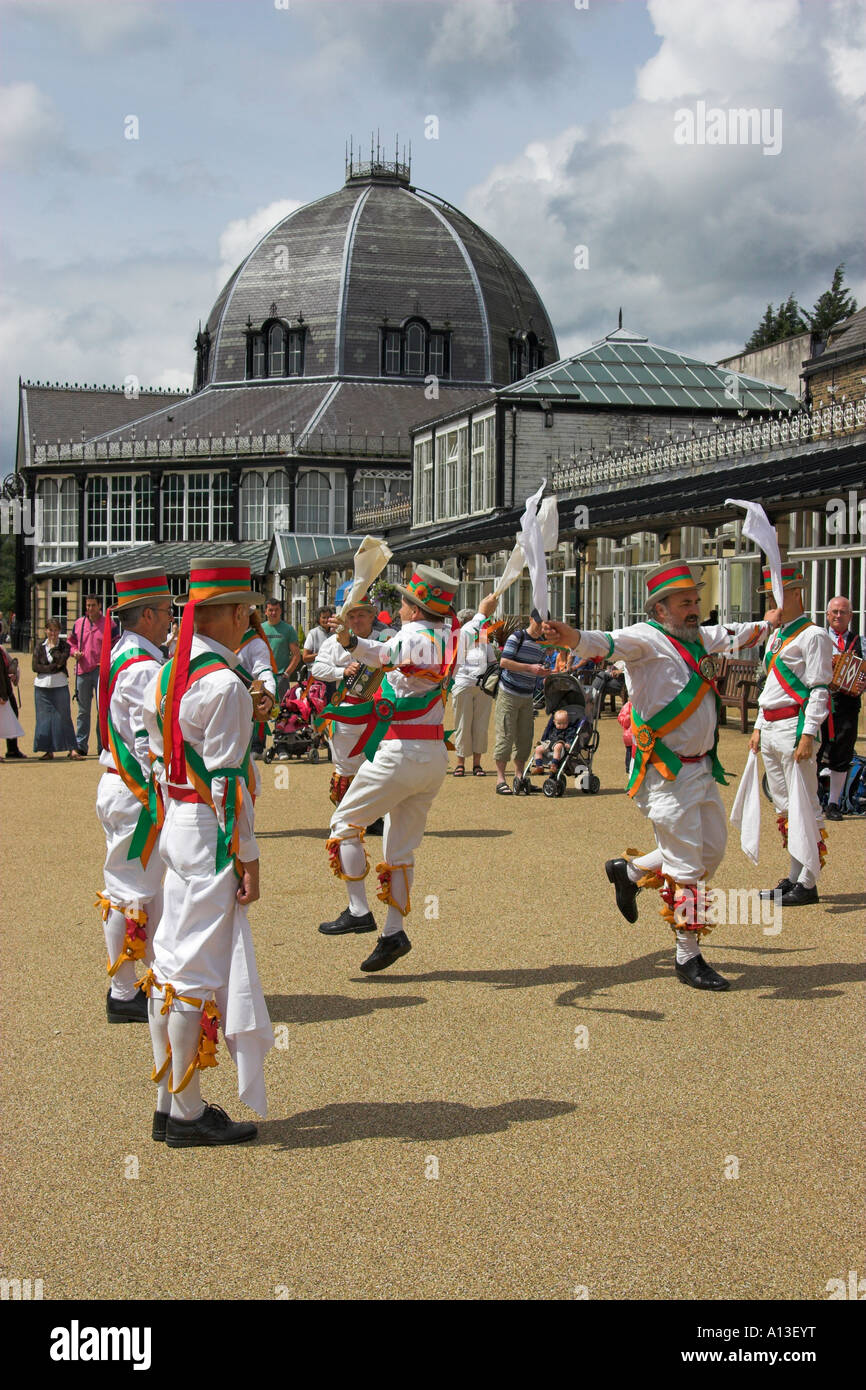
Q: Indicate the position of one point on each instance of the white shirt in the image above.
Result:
(414, 645)
(56, 679)
(474, 654)
(657, 673)
(255, 657)
(332, 659)
(128, 697)
(810, 657)
(314, 639)
(215, 719)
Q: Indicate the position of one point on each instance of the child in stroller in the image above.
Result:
(559, 735)
(582, 706)
(294, 735)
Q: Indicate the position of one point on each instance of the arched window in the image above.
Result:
(416, 349)
(321, 503)
(277, 350)
(278, 510)
(258, 355)
(97, 511)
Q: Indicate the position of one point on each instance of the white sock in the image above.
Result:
(395, 921)
(159, 1041)
(633, 871)
(123, 979)
(183, 1032)
(353, 862)
(807, 878)
(688, 946)
(795, 869)
(645, 864)
(837, 786)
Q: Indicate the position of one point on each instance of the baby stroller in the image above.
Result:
(294, 735)
(565, 691)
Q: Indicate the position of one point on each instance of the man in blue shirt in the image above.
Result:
(521, 664)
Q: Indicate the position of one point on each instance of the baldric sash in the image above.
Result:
(144, 789)
(649, 747)
(202, 777)
(791, 684)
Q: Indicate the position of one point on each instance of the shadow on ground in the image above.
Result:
(428, 1120)
(328, 1008)
(843, 902)
(783, 981)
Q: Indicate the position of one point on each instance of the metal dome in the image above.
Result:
(351, 265)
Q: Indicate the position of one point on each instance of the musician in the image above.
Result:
(333, 663)
(671, 679)
(405, 723)
(837, 749)
(126, 801)
(258, 668)
(792, 706)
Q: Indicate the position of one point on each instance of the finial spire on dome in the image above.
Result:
(378, 168)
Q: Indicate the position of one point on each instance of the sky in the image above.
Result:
(569, 129)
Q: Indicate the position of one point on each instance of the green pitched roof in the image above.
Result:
(625, 369)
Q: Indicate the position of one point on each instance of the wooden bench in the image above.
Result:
(738, 687)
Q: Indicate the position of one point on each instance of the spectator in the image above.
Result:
(54, 731)
(470, 703)
(86, 646)
(10, 729)
(521, 664)
(560, 732)
(624, 718)
(317, 635)
(837, 751)
(4, 629)
(283, 642)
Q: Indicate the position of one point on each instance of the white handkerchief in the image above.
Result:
(746, 812)
(802, 826)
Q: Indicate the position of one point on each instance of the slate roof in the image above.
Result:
(174, 556)
(625, 369)
(850, 334)
(379, 249)
(61, 412)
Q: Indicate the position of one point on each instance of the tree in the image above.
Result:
(765, 332)
(777, 324)
(832, 306)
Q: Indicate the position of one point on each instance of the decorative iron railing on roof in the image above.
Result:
(826, 422)
(320, 444)
(395, 513)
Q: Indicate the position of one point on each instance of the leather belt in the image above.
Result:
(416, 731)
(113, 770)
(698, 759)
(783, 712)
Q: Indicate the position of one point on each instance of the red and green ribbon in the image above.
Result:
(144, 789)
(791, 684)
(649, 749)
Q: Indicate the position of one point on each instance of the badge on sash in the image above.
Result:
(707, 668)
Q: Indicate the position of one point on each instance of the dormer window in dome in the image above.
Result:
(276, 349)
(526, 354)
(414, 349)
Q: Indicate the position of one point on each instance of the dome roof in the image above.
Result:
(368, 258)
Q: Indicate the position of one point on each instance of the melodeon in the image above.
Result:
(849, 674)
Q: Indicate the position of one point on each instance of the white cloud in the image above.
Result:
(481, 31)
(240, 236)
(29, 125)
(692, 241)
(101, 26)
(845, 45)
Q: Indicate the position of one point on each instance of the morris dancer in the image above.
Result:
(128, 803)
(791, 709)
(839, 734)
(333, 663)
(258, 668)
(405, 739)
(675, 722)
(199, 717)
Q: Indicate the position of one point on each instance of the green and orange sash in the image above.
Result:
(375, 716)
(201, 777)
(144, 789)
(791, 684)
(649, 748)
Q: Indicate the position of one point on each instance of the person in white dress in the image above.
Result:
(472, 707)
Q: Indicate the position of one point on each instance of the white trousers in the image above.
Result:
(778, 742)
(342, 741)
(203, 946)
(472, 711)
(396, 785)
(130, 888)
(689, 821)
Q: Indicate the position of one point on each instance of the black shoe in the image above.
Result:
(212, 1127)
(626, 891)
(378, 827)
(388, 949)
(783, 886)
(699, 975)
(800, 896)
(14, 753)
(346, 922)
(833, 811)
(160, 1120)
(126, 1010)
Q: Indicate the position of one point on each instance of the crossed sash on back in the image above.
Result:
(144, 789)
(791, 684)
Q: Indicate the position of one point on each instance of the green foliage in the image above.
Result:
(832, 306)
(386, 595)
(7, 574)
(777, 324)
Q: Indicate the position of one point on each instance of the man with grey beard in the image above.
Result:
(671, 681)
